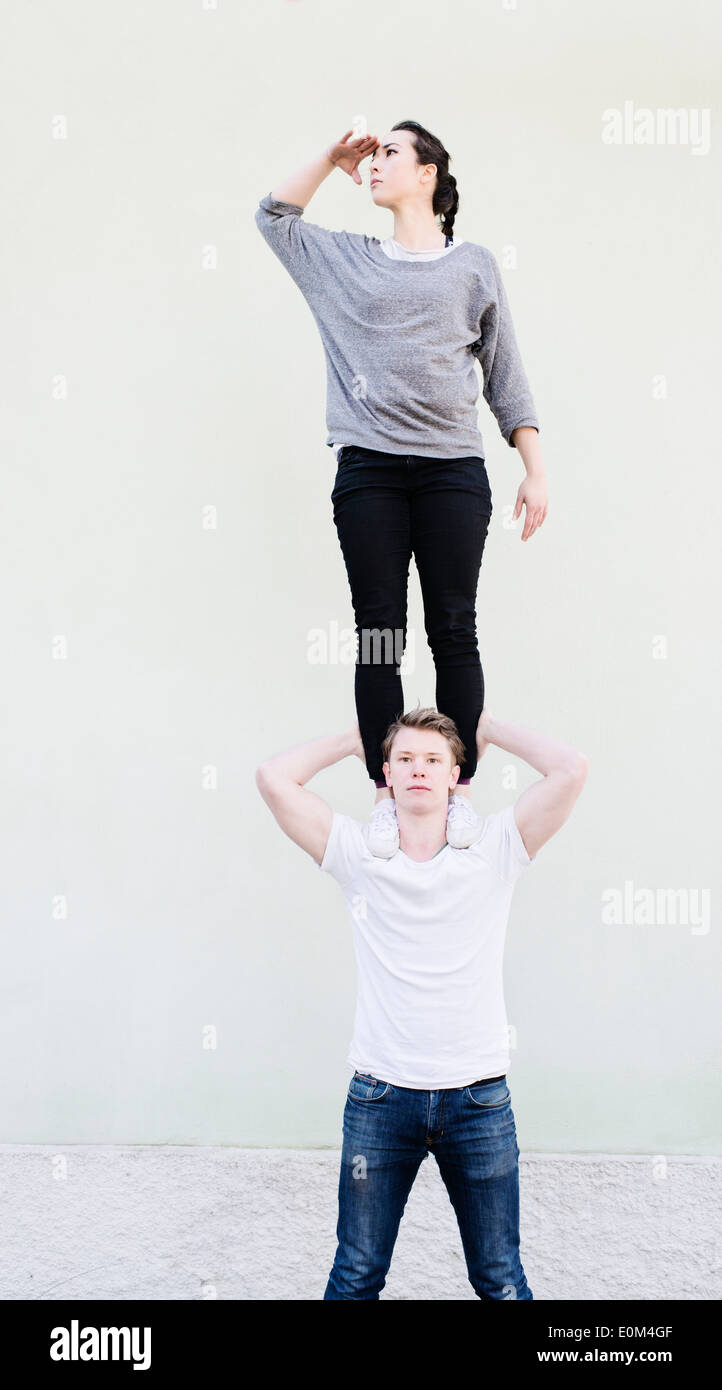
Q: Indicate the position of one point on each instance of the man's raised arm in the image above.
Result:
(305, 817)
(542, 809)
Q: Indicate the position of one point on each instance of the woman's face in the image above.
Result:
(394, 173)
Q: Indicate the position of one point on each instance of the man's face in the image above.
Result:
(420, 770)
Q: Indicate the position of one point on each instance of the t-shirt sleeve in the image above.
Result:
(502, 846)
(345, 850)
(506, 388)
(302, 247)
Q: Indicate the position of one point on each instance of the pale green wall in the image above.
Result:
(186, 647)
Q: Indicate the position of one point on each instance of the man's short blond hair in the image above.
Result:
(426, 719)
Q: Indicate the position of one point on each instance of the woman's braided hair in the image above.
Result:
(429, 150)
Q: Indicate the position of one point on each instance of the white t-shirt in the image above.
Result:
(397, 252)
(429, 945)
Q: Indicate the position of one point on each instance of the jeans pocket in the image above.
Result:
(471, 474)
(365, 1088)
(488, 1095)
(485, 485)
(346, 453)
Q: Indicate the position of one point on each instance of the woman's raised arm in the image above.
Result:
(343, 154)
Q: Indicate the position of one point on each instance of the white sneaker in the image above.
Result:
(382, 831)
(463, 826)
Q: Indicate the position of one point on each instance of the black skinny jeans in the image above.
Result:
(387, 507)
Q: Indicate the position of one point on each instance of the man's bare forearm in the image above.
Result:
(300, 763)
(541, 751)
(300, 187)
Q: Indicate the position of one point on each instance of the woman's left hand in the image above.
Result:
(533, 494)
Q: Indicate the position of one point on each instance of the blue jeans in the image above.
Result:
(387, 1132)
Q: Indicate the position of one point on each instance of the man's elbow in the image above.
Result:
(264, 778)
(573, 767)
(578, 768)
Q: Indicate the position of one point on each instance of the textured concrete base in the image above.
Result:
(149, 1222)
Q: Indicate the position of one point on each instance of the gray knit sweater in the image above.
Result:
(401, 338)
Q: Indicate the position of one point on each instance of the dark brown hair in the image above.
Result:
(429, 150)
(426, 719)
